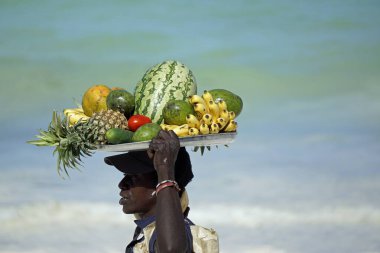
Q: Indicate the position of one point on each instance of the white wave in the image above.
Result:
(262, 249)
(47, 213)
(69, 226)
(248, 216)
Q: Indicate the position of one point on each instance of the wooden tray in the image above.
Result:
(199, 140)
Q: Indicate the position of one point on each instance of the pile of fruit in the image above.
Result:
(165, 98)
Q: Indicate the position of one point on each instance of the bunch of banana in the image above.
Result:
(210, 117)
(75, 114)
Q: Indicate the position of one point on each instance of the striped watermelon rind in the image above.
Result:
(169, 80)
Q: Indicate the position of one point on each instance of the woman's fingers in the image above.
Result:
(157, 146)
(163, 134)
(150, 152)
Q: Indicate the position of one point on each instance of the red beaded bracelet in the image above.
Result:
(164, 184)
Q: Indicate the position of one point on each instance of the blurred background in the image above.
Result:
(303, 174)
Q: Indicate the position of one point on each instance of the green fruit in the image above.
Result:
(233, 101)
(122, 101)
(169, 80)
(118, 135)
(146, 132)
(175, 112)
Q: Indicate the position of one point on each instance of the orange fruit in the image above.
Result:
(95, 99)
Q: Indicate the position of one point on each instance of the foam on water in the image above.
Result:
(72, 224)
(75, 214)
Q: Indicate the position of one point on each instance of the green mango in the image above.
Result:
(146, 132)
(233, 101)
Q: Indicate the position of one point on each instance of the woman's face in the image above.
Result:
(136, 194)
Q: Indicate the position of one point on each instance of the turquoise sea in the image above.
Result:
(303, 174)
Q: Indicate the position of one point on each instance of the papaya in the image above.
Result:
(95, 99)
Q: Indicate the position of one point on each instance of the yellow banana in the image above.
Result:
(196, 99)
(182, 130)
(203, 129)
(214, 110)
(73, 110)
(214, 129)
(79, 110)
(207, 97)
(193, 131)
(231, 126)
(69, 111)
(225, 115)
(200, 110)
(222, 105)
(72, 120)
(192, 121)
(172, 127)
(221, 122)
(75, 118)
(74, 115)
(232, 115)
(167, 127)
(206, 119)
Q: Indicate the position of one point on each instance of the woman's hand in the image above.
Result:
(163, 149)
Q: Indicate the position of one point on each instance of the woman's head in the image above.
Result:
(140, 179)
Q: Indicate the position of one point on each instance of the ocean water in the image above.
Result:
(303, 174)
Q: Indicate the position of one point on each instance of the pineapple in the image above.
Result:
(81, 139)
(102, 121)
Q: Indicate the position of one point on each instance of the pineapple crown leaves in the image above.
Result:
(70, 142)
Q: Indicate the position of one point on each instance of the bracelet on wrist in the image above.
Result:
(164, 184)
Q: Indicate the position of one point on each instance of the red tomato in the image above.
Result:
(136, 121)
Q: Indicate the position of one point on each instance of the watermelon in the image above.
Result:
(169, 80)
